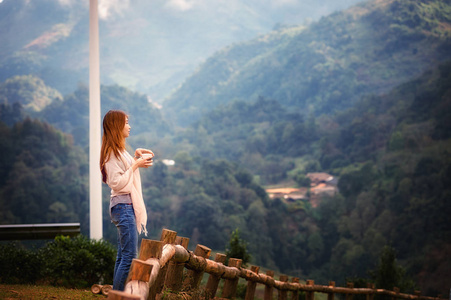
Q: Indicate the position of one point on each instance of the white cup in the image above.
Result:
(147, 156)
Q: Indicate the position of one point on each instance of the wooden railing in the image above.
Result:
(166, 269)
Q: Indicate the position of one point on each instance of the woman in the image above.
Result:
(121, 172)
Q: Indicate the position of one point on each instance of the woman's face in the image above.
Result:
(126, 130)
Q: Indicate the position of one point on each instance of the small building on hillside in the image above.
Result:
(317, 178)
(322, 184)
(289, 194)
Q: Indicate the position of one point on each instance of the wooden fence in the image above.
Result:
(165, 269)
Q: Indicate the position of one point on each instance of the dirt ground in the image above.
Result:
(18, 291)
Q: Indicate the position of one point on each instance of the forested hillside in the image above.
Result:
(390, 153)
(42, 177)
(392, 156)
(367, 49)
(364, 95)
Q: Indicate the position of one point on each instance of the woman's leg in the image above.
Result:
(124, 218)
(119, 254)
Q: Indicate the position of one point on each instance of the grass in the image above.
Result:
(22, 291)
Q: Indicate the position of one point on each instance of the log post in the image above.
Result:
(310, 295)
(371, 295)
(349, 285)
(282, 294)
(213, 280)
(194, 277)
(106, 288)
(251, 285)
(150, 249)
(396, 290)
(167, 237)
(268, 288)
(174, 275)
(139, 270)
(230, 285)
(331, 295)
(96, 288)
(295, 293)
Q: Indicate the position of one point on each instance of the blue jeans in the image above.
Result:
(123, 217)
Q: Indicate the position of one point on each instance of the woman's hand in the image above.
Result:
(142, 163)
(140, 151)
(143, 158)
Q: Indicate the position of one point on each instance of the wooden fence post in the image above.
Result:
(331, 296)
(174, 275)
(167, 237)
(251, 285)
(310, 295)
(282, 293)
(150, 249)
(194, 277)
(139, 270)
(396, 290)
(370, 296)
(230, 285)
(269, 288)
(295, 293)
(213, 280)
(349, 285)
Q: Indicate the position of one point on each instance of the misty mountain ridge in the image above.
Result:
(327, 66)
(147, 46)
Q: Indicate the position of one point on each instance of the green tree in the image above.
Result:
(388, 274)
(238, 248)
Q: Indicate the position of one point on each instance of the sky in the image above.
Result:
(173, 37)
(151, 46)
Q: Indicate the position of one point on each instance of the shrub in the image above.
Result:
(71, 262)
(18, 265)
(77, 262)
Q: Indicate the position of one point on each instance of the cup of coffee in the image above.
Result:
(147, 156)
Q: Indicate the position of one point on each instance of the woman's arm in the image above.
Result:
(120, 180)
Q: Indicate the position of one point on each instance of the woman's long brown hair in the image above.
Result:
(113, 140)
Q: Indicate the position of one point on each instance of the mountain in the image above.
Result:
(366, 49)
(147, 46)
(23, 96)
(71, 113)
(29, 91)
(387, 145)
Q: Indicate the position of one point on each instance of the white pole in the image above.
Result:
(95, 182)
